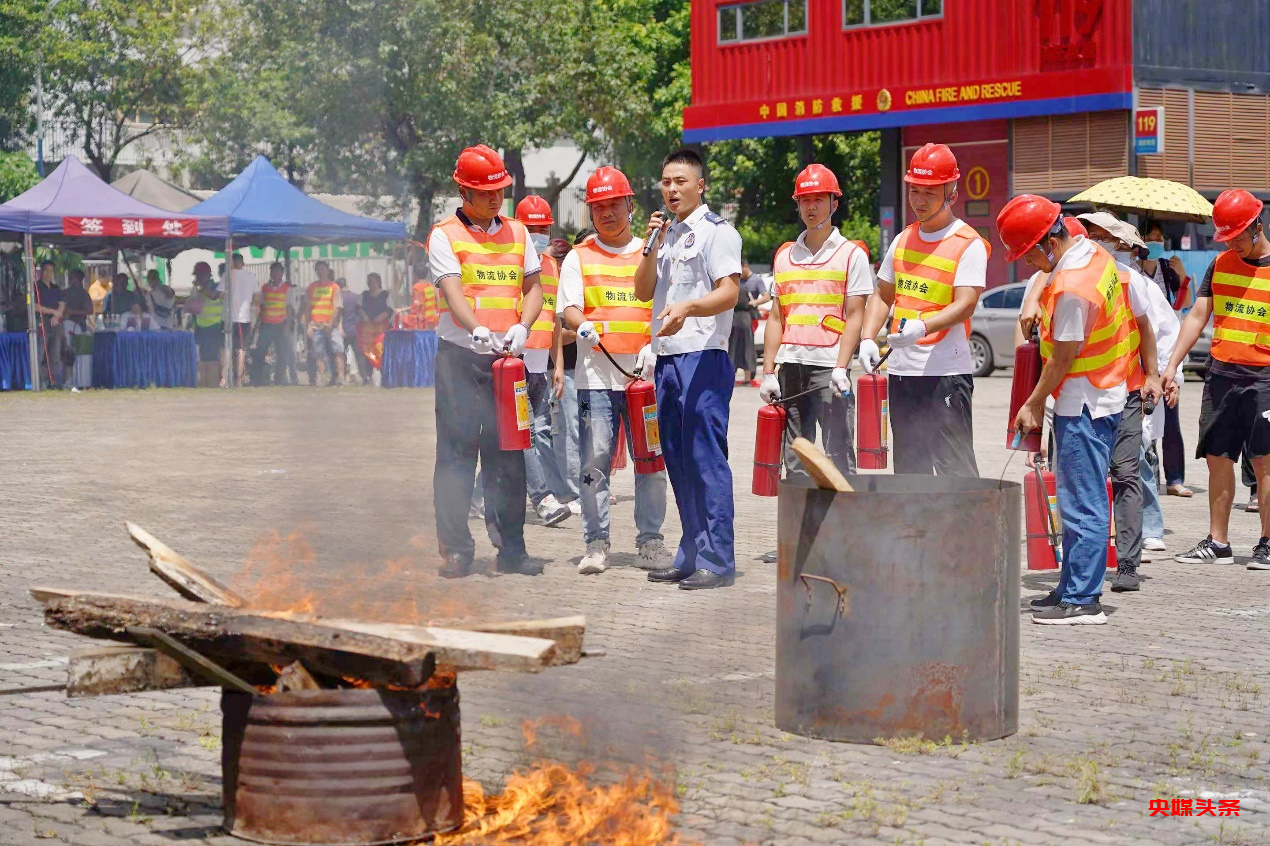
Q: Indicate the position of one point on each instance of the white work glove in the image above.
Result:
(588, 334)
(840, 378)
(870, 355)
(910, 333)
(482, 341)
(514, 341)
(645, 362)
(770, 390)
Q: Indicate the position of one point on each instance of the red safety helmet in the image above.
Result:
(1075, 227)
(606, 183)
(1234, 211)
(534, 211)
(481, 169)
(932, 164)
(816, 179)
(1024, 221)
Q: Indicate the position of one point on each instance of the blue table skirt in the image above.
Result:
(144, 359)
(15, 362)
(410, 358)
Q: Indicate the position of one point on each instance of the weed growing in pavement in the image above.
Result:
(1233, 836)
(135, 816)
(920, 746)
(1091, 785)
(146, 728)
(1015, 765)
(491, 721)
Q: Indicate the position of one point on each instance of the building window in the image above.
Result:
(762, 19)
(874, 12)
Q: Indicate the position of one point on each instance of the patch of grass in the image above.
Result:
(919, 745)
(1091, 784)
(491, 721)
(1015, 765)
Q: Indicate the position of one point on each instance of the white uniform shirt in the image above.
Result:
(444, 263)
(696, 251)
(859, 284)
(1166, 324)
(245, 286)
(951, 356)
(593, 371)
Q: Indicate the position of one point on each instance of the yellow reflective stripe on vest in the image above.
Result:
(811, 299)
(921, 288)
(616, 271)
(510, 248)
(624, 327)
(1240, 336)
(483, 302)
(803, 320)
(907, 313)
(929, 260)
(1240, 309)
(599, 296)
(1097, 362)
(491, 276)
(807, 275)
(1252, 283)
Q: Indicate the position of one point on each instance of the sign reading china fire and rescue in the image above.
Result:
(115, 227)
(882, 100)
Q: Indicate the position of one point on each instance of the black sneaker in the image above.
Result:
(517, 565)
(1260, 555)
(1126, 580)
(457, 565)
(1065, 614)
(1049, 600)
(1207, 551)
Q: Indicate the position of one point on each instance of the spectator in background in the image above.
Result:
(375, 318)
(50, 309)
(1173, 280)
(750, 295)
(79, 337)
(422, 314)
(79, 304)
(350, 312)
(207, 308)
(138, 320)
(162, 301)
(272, 332)
(324, 302)
(245, 300)
(564, 410)
(98, 291)
(119, 301)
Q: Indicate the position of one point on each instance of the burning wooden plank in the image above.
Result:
(188, 580)
(566, 632)
(457, 649)
(234, 634)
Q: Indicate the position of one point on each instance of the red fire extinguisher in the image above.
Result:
(1044, 529)
(871, 421)
(1027, 373)
(511, 403)
(641, 406)
(769, 436)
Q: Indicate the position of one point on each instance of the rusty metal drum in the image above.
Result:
(342, 767)
(898, 609)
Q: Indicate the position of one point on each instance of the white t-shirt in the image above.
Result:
(244, 287)
(696, 252)
(444, 263)
(951, 356)
(859, 284)
(593, 371)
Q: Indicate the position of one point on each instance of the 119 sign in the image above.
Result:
(1148, 131)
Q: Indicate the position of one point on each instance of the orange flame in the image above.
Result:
(552, 804)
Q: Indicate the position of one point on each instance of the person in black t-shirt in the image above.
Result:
(1235, 410)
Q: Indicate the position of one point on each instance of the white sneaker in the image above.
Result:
(551, 511)
(596, 559)
(575, 507)
(1153, 544)
(652, 554)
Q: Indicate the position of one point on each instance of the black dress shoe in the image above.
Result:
(705, 580)
(667, 574)
(517, 565)
(457, 565)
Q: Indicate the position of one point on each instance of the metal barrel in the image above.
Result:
(898, 609)
(342, 767)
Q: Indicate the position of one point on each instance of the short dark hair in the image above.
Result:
(277, 265)
(688, 156)
(375, 276)
(46, 263)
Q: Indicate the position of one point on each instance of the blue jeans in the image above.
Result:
(542, 471)
(1083, 447)
(694, 391)
(1152, 513)
(564, 437)
(600, 413)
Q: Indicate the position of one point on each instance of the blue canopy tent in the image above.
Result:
(74, 209)
(265, 210)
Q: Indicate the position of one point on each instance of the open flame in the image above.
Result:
(551, 804)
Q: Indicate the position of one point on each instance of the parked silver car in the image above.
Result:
(992, 327)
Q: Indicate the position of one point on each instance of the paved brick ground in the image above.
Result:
(1166, 701)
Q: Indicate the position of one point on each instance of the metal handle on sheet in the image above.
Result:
(843, 593)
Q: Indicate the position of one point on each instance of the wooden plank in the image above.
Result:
(191, 660)
(820, 467)
(99, 670)
(566, 632)
(295, 677)
(457, 649)
(237, 634)
(188, 580)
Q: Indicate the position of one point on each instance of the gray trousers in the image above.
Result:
(834, 413)
(1126, 485)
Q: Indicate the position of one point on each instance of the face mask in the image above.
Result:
(540, 242)
(1154, 250)
(1122, 256)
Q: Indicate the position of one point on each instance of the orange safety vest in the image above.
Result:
(1112, 346)
(924, 274)
(273, 304)
(540, 333)
(809, 293)
(1137, 376)
(423, 305)
(322, 299)
(1241, 312)
(492, 270)
(608, 296)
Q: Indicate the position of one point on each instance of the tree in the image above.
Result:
(17, 174)
(19, 25)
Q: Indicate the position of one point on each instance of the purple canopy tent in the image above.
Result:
(74, 209)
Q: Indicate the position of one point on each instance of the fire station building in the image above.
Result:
(1042, 96)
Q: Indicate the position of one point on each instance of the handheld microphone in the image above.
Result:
(652, 239)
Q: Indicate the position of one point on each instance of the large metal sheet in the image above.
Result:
(898, 609)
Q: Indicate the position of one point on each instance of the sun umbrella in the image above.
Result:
(1162, 199)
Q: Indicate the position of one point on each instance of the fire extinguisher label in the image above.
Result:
(522, 405)
(652, 431)
(1055, 519)
(886, 420)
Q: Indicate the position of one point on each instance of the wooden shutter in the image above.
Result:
(1232, 141)
(1175, 162)
(1068, 153)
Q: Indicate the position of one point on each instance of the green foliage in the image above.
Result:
(19, 23)
(17, 174)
